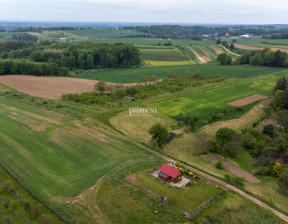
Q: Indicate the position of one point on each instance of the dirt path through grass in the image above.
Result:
(232, 168)
(201, 59)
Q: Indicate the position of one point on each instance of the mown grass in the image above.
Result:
(210, 69)
(123, 202)
(65, 159)
(18, 206)
(203, 103)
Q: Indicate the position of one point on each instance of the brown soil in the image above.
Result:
(36, 128)
(200, 59)
(132, 179)
(233, 169)
(247, 100)
(218, 50)
(269, 121)
(245, 47)
(53, 87)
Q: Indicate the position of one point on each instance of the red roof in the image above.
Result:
(169, 170)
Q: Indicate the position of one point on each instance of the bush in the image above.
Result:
(218, 165)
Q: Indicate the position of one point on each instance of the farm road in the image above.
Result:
(221, 183)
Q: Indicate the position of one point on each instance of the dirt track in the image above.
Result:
(247, 100)
(51, 87)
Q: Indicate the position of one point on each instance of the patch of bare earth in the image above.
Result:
(233, 169)
(53, 87)
(36, 128)
(201, 59)
(217, 49)
(269, 121)
(132, 179)
(247, 100)
(245, 47)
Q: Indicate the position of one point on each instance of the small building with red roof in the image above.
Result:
(170, 173)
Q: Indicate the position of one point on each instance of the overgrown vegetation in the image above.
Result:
(141, 91)
(18, 206)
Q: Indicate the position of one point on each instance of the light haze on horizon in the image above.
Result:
(168, 11)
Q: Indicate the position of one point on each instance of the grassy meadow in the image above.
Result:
(142, 199)
(203, 103)
(131, 75)
(18, 206)
(58, 157)
(232, 208)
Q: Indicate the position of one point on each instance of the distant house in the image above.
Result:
(169, 173)
(246, 36)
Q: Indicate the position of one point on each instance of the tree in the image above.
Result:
(278, 101)
(224, 59)
(276, 168)
(224, 135)
(269, 130)
(218, 165)
(256, 60)
(89, 62)
(159, 134)
(225, 44)
(234, 41)
(100, 86)
(81, 61)
(218, 41)
(172, 75)
(191, 121)
(232, 47)
(283, 180)
(281, 84)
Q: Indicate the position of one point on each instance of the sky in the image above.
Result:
(162, 11)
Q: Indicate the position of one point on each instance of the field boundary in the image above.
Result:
(34, 195)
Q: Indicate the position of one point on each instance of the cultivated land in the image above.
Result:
(79, 165)
(65, 159)
(211, 69)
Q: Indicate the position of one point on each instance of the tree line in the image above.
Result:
(265, 57)
(20, 56)
(187, 32)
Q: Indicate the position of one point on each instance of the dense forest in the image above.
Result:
(183, 32)
(265, 57)
(51, 58)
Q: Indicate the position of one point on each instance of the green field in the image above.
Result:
(66, 158)
(4, 36)
(18, 206)
(232, 208)
(210, 69)
(162, 54)
(204, 102)
(104, 33)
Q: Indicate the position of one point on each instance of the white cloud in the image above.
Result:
(190, 11)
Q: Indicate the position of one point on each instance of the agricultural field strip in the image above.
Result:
(52, 175)
(221, 183)
(200, 59)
